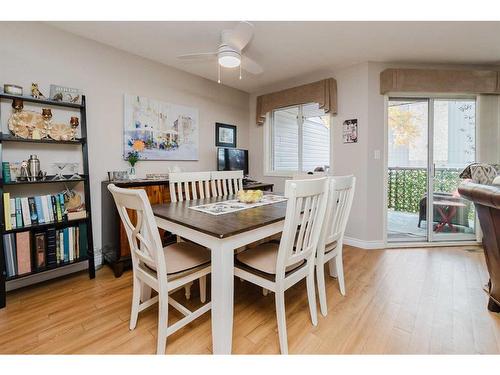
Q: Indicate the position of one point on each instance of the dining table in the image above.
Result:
(222, 234)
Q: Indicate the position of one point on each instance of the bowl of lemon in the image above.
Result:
(250, 196)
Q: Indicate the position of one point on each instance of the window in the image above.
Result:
(299, 140)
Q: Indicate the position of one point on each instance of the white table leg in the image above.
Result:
(222, 300)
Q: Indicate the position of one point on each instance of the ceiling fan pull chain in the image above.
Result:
(218, 72)
(240, 70)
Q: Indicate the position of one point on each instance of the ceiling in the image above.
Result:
(287, 50)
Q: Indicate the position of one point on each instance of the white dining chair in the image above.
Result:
(277, 267)
(185, 186)
(164, 269)
(226, 182)
(340, 197)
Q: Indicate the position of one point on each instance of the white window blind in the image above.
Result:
(300, 139)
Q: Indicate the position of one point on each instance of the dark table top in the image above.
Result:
(220, 226)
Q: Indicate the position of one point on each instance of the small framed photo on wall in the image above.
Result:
(225, 135)
(350, 131)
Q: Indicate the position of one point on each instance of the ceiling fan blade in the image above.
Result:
(198, 56)
(241, 35)
(251, 66)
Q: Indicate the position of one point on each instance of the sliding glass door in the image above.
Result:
(430, 141)
(453, 148)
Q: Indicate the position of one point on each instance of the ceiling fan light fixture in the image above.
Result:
(229, 59)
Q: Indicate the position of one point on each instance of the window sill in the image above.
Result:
(280, 174)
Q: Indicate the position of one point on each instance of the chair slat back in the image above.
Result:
(226, 182)
(340, 197)
(143, 236)
(189, 185)
(305, 212)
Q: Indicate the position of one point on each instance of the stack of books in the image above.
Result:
(26, 252)
(26, 211)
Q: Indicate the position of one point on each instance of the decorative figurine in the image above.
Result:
(35, 91)
(17, 105)
(24, 171)
(74, 124)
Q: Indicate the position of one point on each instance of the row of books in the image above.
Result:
(25, 211)
(26, 252)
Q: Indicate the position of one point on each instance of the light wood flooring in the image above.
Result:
(398, 301)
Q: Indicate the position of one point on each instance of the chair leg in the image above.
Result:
(145, 292)
(136, 296)
(281, 318)
(311, 297)
(332, 268)
(162, 323)
(320, 276)
(340, 273)
(203, 289)
(265, 291)
(187, 290)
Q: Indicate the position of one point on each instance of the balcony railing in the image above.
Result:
(408, 185)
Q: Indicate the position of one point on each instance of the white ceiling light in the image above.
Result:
(229, 54)
(229, 59)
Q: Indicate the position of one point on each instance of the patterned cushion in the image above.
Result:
(481, 173)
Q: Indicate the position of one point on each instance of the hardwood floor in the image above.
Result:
(398, 301)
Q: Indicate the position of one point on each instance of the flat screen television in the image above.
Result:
(232, 159)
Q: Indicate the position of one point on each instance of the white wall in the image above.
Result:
(34, 52)
(359, 97)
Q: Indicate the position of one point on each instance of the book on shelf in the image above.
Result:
(25, 209)
(6, 211)
(21, 212)
(13, 222)
(33, 211)
(77, 215)
(9, 248)
(6, 172)
(40, 249)
(25, 252)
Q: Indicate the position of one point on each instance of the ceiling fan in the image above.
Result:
(229, 54)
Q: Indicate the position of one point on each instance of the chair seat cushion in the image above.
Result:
(330, 246)
(182, 256)
(263, 258)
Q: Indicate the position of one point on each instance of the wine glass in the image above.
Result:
(60, 167)
(73, 167)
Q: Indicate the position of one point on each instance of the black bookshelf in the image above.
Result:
(5, 139)
(48, 180)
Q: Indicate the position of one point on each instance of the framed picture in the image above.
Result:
(225, 135)
(350, 131)
(158, 130)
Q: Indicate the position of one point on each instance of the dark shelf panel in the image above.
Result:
(11, 138)
(41, 101)
(47, 181)
(45, 269)
(56, 224)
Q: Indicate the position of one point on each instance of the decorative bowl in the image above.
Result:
(250, 196)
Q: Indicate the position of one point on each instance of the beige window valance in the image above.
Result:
(442, 81)
(323, 92)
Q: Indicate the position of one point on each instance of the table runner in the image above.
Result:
(233, 205)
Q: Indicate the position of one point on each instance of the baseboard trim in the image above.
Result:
(364, 244)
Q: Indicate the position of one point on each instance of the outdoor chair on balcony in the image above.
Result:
(461, 218)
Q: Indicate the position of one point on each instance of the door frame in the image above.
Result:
(430, 135)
